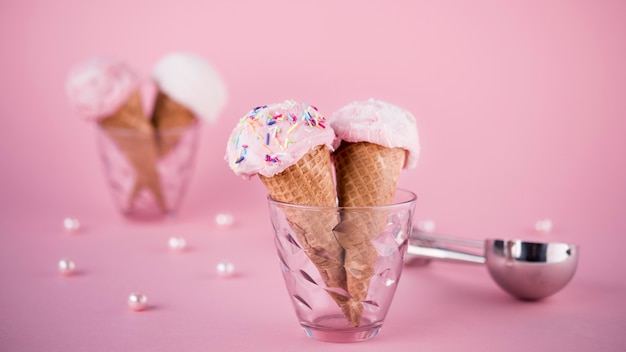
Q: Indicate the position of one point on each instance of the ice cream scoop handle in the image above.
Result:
(440, 239)
(444, 254)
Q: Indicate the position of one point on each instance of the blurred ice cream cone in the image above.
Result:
(189, 89)
(107, 91)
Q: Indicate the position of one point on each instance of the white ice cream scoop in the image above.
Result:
(527, 270)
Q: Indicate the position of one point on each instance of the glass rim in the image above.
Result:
(412, 198)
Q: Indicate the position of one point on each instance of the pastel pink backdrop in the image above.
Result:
(521, 110)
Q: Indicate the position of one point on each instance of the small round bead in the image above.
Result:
(71, 224)
(224, 219)
(66, 266)
(137, 301)
(543, 225)
(177, 243)
(225, 269)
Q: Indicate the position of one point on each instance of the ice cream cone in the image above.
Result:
(168, 115)
(378, 140)
(189, 89)
(288, 146)
(106, 90)
(133, 134)
(315, 235)
(367, 175)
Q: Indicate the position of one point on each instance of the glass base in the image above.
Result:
(335, 328)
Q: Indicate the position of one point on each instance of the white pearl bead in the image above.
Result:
(66, 266)
(224, 219)
(177, 243)
(543, 225)
(225, 269)
(137, 301)
(71, 224)
(426, 225)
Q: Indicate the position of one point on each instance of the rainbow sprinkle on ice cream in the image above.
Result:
(270, 138)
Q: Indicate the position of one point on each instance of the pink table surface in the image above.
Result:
(443, 307)
(520, 107)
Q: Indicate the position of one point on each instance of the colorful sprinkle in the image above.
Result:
(270, 159)
(261, 123)
(237, 139)
(292, 128)
(253, 123)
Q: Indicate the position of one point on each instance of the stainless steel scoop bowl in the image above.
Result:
(526, 270)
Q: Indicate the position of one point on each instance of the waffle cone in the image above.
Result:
(315, 235)
(367, 175)
(139, 148)
(167, 115)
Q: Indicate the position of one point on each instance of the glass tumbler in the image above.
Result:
(342, 265)
(148, 173)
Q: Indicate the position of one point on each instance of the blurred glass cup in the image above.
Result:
(342, 265)
(148, 173)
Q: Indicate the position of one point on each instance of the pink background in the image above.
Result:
(521, 109)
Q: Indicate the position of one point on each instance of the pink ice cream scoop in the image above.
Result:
(269, 139)
(98, 87)
(378, 122)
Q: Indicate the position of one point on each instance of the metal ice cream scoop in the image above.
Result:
(527, 270)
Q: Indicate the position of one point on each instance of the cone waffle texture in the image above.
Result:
(168, 116)
(310, 182)
(134, 136)
(367, 175)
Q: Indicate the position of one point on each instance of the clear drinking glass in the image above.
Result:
(148, 173)
(342, 265)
